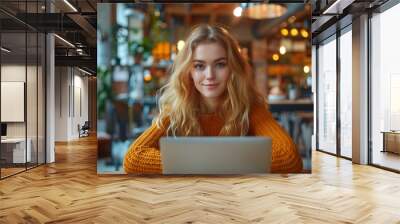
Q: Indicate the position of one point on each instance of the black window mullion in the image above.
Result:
(317, 96)
(369, 96)
(338, 74)
(26, 86)
(45, 87)
(37, 90)
(73, 92)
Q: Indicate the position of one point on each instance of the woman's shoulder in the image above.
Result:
(162, 120)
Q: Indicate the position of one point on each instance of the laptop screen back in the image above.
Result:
(215, 155)
(3, 129)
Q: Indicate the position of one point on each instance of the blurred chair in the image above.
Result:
(84, 130)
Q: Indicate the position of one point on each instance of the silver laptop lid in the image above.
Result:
(215, 155)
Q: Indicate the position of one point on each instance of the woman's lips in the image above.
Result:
(211, 86)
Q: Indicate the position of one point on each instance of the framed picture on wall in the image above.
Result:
(12, 101)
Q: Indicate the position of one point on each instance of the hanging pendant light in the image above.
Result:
(263, 10)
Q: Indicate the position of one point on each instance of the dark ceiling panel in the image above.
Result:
(80, 61)
(49, 22)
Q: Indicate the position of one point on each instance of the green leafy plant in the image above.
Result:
(104, 90)
(142, 47)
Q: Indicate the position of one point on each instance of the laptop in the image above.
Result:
(215, 155)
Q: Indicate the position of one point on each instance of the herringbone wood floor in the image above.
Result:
(70, 191)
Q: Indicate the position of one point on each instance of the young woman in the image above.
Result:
(211, 93)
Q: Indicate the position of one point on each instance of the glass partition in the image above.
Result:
(327, 96)
(385, 89)
(13, 109)
(22, 89)
(346, 93)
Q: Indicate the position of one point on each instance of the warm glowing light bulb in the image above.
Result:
(180, 45)
(238, 11)
(304, 33)
(147, 77)
(306, 69)
(294, 32)
(282, 50)
(275, 57)
(284, 32)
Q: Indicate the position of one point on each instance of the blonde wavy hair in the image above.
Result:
(180, 100)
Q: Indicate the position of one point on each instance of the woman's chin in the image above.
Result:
(211, 94)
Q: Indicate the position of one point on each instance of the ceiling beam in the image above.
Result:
(84, 24)
(81, 61)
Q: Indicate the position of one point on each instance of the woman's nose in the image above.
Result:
(209, 73)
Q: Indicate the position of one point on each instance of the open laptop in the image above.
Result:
(215, 155)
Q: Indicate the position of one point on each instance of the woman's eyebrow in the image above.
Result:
(200, 61)
(216, 60)
(220, 59)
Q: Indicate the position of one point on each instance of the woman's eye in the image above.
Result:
(199, 66)
(221, 65)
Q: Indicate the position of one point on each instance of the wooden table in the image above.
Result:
(391, 141)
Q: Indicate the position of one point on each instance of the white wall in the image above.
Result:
(71, 94)
(61, 103)
(80, 94)
(12, 73)
(34, 124)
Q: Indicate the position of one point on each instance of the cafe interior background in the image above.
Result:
(136, 44)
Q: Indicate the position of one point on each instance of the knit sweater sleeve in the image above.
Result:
(285, 156)
(143, 156)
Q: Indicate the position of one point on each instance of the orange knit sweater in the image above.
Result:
(143, 156)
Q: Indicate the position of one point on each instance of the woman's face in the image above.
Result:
(210, 71)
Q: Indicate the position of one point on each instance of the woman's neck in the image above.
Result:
(209, 106)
